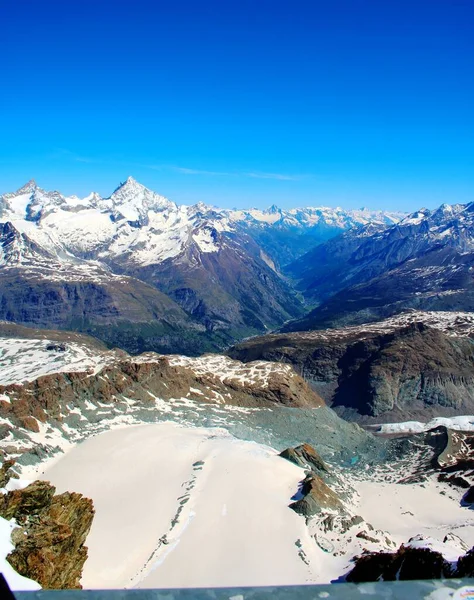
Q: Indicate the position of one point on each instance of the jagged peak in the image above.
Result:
(129, 184)
(29, 187)
(273, 209)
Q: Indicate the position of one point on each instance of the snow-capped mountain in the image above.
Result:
(149, 228)
(219, 266)
(424, 262)
(287, 234)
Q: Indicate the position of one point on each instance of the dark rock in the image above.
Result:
(363, 535)
(465, 566)
(468, 497)
(405, 564)
(412, 371)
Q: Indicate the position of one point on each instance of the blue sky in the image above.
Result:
(238, 103)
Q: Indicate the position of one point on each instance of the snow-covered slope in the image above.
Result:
(137, 223)
(205, 485)
(194, 255)
(192, 478)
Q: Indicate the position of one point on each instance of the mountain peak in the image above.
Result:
(129, 184)
(273, 209)
(133, 200)
(28, 188)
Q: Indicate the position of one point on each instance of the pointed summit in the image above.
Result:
(273, 209)
(28, 188)
(133, 201)
(129, 184)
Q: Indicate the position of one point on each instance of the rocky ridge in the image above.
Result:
(415, 365)
(57, 393)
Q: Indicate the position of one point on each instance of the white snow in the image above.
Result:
(408, 510)
(24, 360)
(107, 227)
(204, 238)
(224, 368)
(180, 507)
(460, 423)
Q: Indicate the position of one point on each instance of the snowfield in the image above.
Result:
(195, 507)
(24, 360)
(182, 507)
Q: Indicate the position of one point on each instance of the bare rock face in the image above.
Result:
(305, 456)
(469, 496)
(49, 542)
(382, 372)
(465, 567)
(317, 497)
(405, 564)
(52, 396)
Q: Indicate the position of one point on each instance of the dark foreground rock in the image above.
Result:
(465, 566)
(405, 564)
(49, 542)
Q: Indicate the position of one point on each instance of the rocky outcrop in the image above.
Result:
(52, 529)
(380, 374)
(68, 399)
(405, 564)
(465, 566)
(317, 497)
(305, 456)
(53, 396)
(314, 497)
(468, 497)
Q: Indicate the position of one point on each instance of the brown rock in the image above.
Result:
(305, 456)
(317, 496)
(49, 547)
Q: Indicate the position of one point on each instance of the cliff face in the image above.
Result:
(49, 542)
(409, 371)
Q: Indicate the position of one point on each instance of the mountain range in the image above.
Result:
(142, 273)
(423, 262)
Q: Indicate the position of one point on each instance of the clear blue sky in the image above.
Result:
(242, 103)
